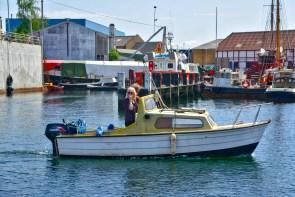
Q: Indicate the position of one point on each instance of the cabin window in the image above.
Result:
(150, 104)
(187, 123)
(211, 120)
(164, 123)
(178, 123)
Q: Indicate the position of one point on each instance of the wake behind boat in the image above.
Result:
(160, 132)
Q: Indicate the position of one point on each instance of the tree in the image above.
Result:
(29, 13)
(114, 54)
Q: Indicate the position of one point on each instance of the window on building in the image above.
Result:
(170, 65)
(51, 31)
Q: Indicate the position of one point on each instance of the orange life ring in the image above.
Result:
(245, 84)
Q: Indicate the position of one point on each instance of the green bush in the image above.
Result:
(114, 55)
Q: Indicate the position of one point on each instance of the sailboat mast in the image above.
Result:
(272, 15)
(278, 34)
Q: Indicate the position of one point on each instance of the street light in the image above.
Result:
(155, 8)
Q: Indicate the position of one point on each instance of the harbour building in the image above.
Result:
(73, 39)
(240, 49)
(205, 53)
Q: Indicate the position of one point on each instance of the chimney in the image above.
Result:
(0, 24)
(111, 36)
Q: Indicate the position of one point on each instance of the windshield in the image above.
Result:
(150, 104)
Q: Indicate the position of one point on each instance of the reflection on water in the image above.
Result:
(29, 169)
(151, 177)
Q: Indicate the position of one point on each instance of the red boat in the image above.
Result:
(50, 88)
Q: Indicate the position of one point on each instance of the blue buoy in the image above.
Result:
(111, 127)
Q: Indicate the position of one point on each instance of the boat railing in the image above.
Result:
(183, 110)
(250, 106)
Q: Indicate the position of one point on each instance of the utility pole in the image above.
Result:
(0, 26)
(42, 40)
(42, 24)
(8, 15)
(216, 27)
(155, 20)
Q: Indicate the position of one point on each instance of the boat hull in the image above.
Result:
(227, 142)
(234, 92)
(54, 89)
(281, 96)
(102, 88)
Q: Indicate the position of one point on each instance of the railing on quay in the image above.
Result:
(21, 38)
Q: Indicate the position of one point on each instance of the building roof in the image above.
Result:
(128, 51)
(209, 45)
(256, 40)
(148, 48)
(15, 22)
(122, 41)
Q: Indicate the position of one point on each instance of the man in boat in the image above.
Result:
(130, 106)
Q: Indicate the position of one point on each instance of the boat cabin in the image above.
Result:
(284, 79)
(152, 119)
(226, 78)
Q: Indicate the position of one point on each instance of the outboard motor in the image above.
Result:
(52, 131)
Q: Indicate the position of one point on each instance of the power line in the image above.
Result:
(100, 14)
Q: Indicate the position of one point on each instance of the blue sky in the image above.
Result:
(191, 21)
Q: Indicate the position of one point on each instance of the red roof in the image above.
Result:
(256, 40)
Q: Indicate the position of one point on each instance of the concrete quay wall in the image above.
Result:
(23, 63)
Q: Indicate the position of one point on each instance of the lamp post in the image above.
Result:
(170, 38)
(155, 20)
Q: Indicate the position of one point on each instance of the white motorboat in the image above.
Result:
(160, 132)
(105, 83)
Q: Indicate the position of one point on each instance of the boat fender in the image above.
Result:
(245, 84)
(99, 131)
(111, 127)
(173, 143)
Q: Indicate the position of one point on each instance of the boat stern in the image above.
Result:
(52, 131)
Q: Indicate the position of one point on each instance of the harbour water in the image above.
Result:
(27, 167)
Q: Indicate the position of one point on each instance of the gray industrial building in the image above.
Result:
(70, 40)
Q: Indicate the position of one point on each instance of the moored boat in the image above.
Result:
(105, 83)
(51, 88)
(160, 131)
(228, 84)
(283, 86)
